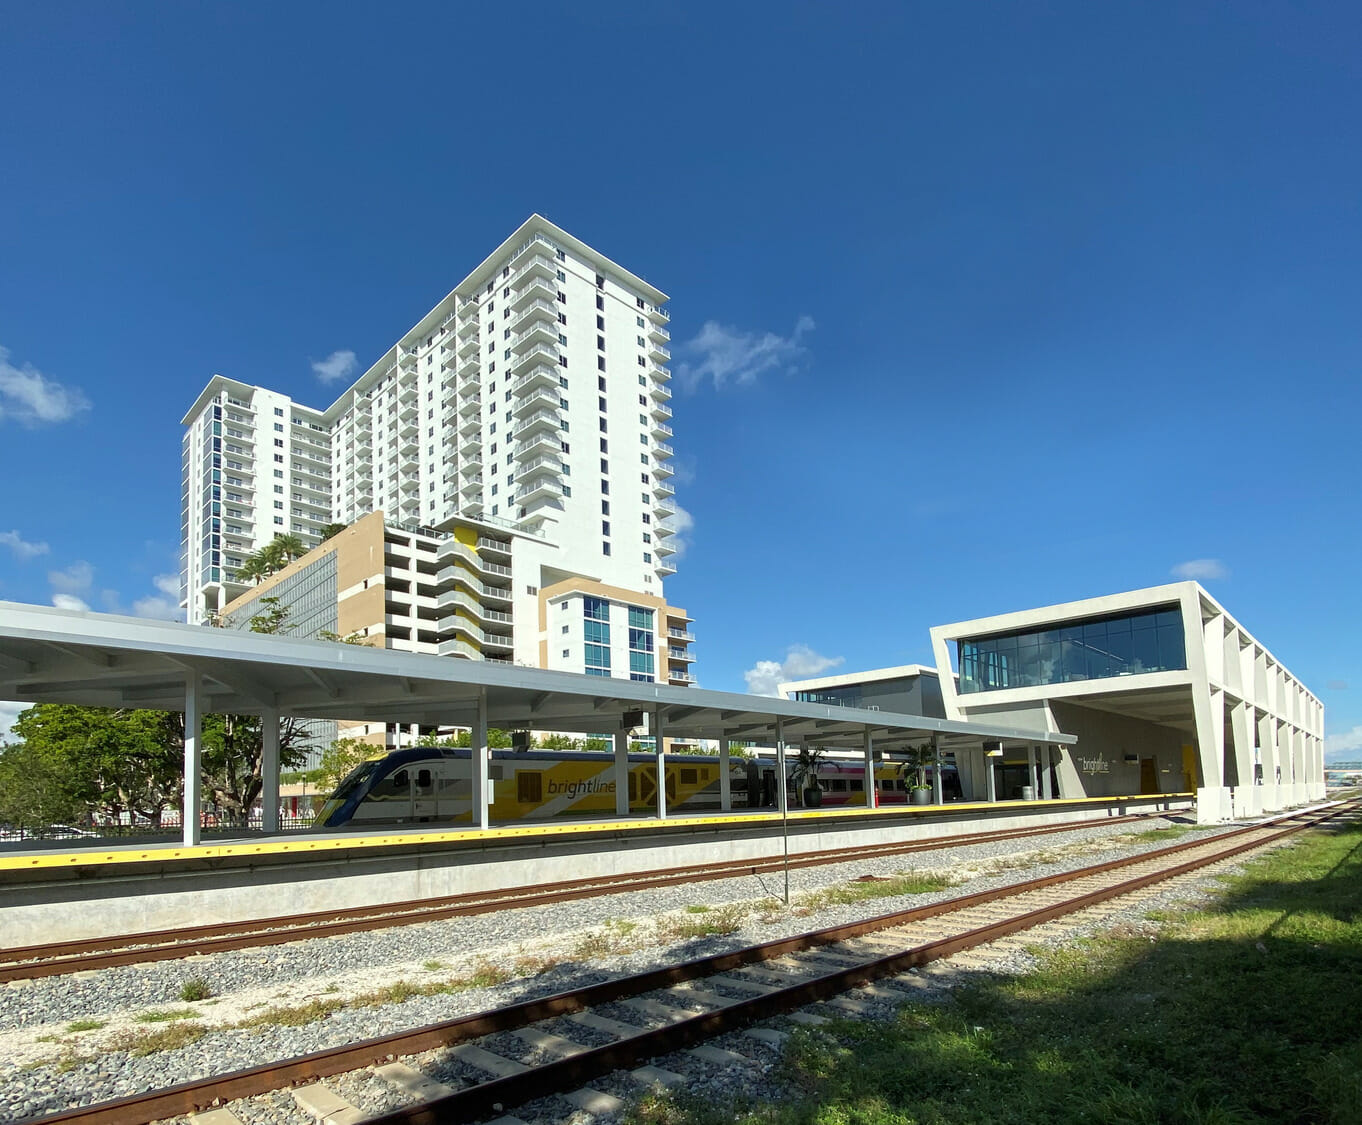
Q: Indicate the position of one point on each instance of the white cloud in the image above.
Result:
(75, 579)
(728, 355)
(1201, 569)
(28, 396)
(683, 521)
(1341, 745)
(162, 606)
(70, 601)
(21, 548)
(338, 365)
(8, 713)
(800, 663)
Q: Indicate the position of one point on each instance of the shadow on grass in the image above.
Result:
(1248, 1011)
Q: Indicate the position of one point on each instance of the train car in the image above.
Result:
(421, 785)
(842, 782)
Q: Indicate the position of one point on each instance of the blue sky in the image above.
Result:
(975, 307)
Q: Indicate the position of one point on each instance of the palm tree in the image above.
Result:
(917, 760)
(252, 569)
(804, 775)
(331, 530)
(290, 547)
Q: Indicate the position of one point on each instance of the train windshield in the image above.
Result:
(355, 780)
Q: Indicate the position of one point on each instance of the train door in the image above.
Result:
(424, 793)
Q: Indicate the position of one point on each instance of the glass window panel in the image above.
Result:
(1144, 650)
(1171, 651)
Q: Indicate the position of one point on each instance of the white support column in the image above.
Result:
(782, 789)
(193, 758)
(477, 749)
(990, 780)
(938, 790)
(1045, 790)
(1247, 797)
(269, 769)
(869, 747)
(660, 759)
(1212, 798)
(725, 782)
(622, 773)
(1031, 769)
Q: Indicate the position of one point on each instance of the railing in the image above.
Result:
(536, 262)
(662, 428)
(662, 449)
(680, 635)
(539, 349)
(494, 544)
(530, 466)
(549, 417)
(534, 308)
(543, 371)
(544, 484)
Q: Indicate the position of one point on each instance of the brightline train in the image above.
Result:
(423, 785)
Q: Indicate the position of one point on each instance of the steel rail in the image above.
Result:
(56, 958)
(190, 1097)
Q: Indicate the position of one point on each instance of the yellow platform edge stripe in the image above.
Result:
(318, 844)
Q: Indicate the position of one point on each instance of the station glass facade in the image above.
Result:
(1124, 644)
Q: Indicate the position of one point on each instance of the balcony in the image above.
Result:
(498, 593)
(657, 333)
(664, 527)
(662, 469)
(468, 366)
(665, 567)
(663, 547)
(495, 546)
(460, 649)
(661, 488)
(543, 419)
(664, 506)
(658, 316)
(470, 424)
(660, 410)
(542, 398)
(661, 429)
(539, 353)
(449, 413)
(542, 376)
(659, 393)
(680, 635)
(658, 354)
(538, 331)
(662, 450)
(543, 487)
(536, 266)
(538, 288)
(470, 403)
(497, 641)
(469, 328)
(470, 443)
(539, 443)
(680, 678)
(407, 361)
(470, 484)
(469, 346)
(540, 308)
(549, 464)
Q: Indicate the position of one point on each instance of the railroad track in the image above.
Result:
(54, 959)
(678, 1007)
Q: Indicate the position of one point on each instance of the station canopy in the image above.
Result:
(62, 656)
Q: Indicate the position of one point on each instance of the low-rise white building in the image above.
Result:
(1164, 689)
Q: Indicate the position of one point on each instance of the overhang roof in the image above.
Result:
(62, 656)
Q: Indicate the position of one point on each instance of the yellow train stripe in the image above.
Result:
(321, 844)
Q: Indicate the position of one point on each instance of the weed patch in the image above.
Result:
(165, 1015)
(85, 1025)
(196, 988)
(170, 1038)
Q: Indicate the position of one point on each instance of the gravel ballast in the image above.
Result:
(45, 1068)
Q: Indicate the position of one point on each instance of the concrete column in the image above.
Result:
(990, 779)
(782, 787)
(622, 773)
(938, 790)
(1031, 769)
(1046, 791)
(477, 749)
(869, 747)
(1211, 796)
(725, 782)
(660, 759)
(1247, 799)
(193, 759)
(269, 770)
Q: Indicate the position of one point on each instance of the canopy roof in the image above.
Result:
(62, 656)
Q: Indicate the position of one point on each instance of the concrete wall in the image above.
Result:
(1104, 742)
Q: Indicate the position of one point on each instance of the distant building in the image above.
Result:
(912, 689)
(504, 471)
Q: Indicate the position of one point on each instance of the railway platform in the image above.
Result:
(100, 890)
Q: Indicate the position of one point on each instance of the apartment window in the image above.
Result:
(642, 382)
(561, 256)
(600, 404)
(605, 507)
(565, 627)
(567, 490)
(642, 401)
(639, 319)
(595, 609)
(506, 292)
(600, 363)
(641, 344)
(605, 468)
(279, 474)
(562, 361)
(279, 442)
(645, 477)
(647, 557)
(605, 548)
(646, 517)
(639, 301)
(603, 428)
(643, 437)
(605, 527)
(600, 302)
(280, 521)
(565, 447)
(605, 446)
(278, 413)
(567, 651)
(600, 343)
(600, 282)
(600, 386)
(642, 362)
(279, 427)
(605, 484)
(278, 503)
(647, 538)
(643, 457)
(562, 297)
(562, 381)
(279, 488)
(600, 324)
(278, 456)
(562, 318)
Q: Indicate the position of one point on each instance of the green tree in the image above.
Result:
(557, 741)
(331, 530)
(338, 759)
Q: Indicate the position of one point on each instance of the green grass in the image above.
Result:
(196, 988)
(904, 883)
(1245, 1011)
(85, 1025)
